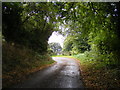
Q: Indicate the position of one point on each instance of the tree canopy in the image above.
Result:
(97, 25)
(29, 24)
(91, 27)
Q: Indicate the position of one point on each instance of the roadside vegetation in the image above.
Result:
(19, 62)
(97, 74)
(25, 32)
(92, 35)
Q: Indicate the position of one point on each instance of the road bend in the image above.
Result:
(64, 74)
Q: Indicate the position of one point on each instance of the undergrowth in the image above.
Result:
(18, 62)
(97, 74)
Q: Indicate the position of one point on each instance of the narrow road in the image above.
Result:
(64, 74)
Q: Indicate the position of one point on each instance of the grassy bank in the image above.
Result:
(18, 62)
(97, 75)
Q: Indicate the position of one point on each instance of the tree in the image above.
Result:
(55, 47)
(98, 24)
(93, 26)
(29, 24)
(75, 44)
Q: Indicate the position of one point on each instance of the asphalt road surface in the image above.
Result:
(64, 74)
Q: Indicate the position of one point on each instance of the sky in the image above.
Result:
(56, 37)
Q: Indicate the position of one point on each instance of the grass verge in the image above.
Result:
(18, 62)
(97, 75)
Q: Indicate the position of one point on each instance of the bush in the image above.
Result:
(19, 61)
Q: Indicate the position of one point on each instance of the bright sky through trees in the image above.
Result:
(56, 37)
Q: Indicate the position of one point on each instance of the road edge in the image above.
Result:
(79, 69)
(33, 71)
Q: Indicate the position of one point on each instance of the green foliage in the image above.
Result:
(19, 61)
(55, 48)
(75, 44)
(92, 28)
(97, 74)
(32, 24)
(97, 23)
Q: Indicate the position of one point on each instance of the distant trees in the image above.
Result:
(75, 45)
(55, 48)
